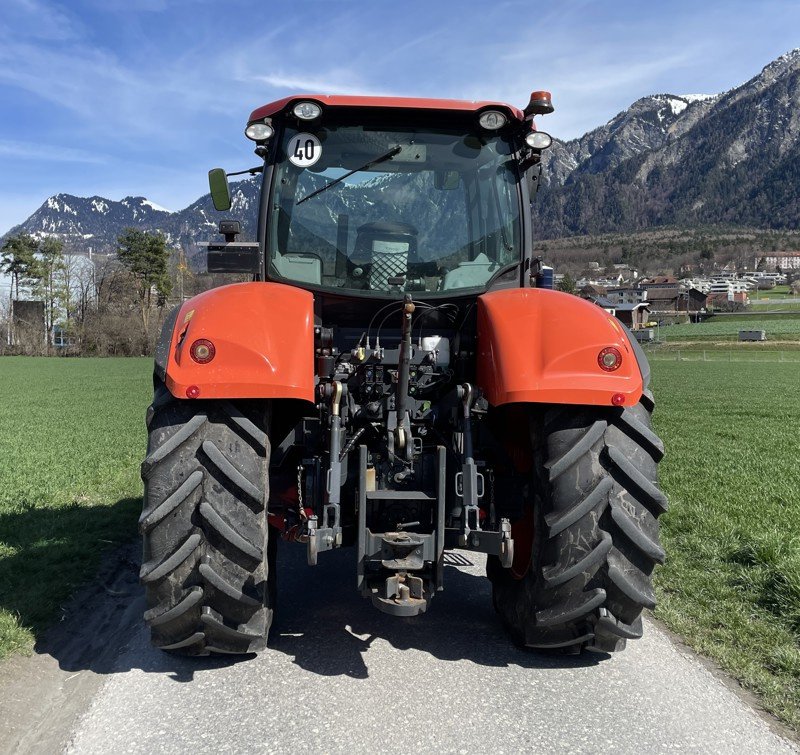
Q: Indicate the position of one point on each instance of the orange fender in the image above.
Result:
(536, 345)
(263, 336)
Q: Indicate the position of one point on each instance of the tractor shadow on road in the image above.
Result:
(328, 628)
(321, 622)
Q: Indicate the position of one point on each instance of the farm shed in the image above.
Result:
(632, 315)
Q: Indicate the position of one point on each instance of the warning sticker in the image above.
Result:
(304, 150)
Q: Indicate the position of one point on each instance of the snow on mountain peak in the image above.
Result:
(697, 97)
(155, 206)
(677, 105)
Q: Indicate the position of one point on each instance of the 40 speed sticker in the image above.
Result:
(304, 150)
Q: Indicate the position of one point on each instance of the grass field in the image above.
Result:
(72, 437)
(731, 585)
(71, 441)
(779, 328)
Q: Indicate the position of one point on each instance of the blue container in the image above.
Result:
(545, 278)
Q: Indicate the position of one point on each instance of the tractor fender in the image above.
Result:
(538, 345)
(263, 338)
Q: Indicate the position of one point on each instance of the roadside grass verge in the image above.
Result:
(780, 328)
(731, 584)
(775, 305)
(694, 351)
(71, 440)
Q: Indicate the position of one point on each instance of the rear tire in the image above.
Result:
(208, 568)
(596, 534)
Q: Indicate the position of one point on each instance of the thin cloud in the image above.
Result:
(49, 153)
(301, 83)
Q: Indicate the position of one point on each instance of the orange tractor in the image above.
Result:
(399, 379)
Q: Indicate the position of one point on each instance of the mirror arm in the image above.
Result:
(251, 171)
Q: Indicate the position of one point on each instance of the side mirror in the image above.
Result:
(220, 191)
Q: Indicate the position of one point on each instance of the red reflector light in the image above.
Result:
(192, 391)
(609, 359)
(618, 399)
(202, 351)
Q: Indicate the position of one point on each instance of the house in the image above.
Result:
(591, 291)
(722, 299)
(691, 300)
(663, 292)
(781, 261)
(627, 295)
(634, 316)
(601, 301)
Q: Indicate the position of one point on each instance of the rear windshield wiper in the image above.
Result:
(374, 161)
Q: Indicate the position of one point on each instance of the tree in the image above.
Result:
(49, 271)
(145, 256)
(567, 284)
(18, 259)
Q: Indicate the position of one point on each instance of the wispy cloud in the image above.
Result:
(300, 82)
(49, 153)
(40, 20)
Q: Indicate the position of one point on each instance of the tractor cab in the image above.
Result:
(376, 197)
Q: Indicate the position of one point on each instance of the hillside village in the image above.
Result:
(638, 300)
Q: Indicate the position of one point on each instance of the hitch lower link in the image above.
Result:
(470, 488)
(326, 535)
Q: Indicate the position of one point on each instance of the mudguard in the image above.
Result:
(537, 345)
(263, 336)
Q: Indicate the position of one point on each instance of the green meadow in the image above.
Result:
(72, 437)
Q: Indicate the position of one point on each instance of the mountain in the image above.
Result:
(646, 125)
(89, 220)
(95, 222)
(677, 160)
(683, 161)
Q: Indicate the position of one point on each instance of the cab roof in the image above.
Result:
(417, 103)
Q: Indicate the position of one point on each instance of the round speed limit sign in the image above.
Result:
(304, 150)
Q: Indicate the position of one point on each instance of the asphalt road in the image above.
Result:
(341, 677)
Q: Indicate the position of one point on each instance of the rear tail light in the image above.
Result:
(609, 359)
(202, 351)
(192, 392)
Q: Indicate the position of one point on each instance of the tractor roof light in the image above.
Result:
(492, 120)
(538, 140)
(307, 111)
(259, 131)
(609, 359)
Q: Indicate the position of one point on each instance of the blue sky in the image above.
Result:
(141, 97)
